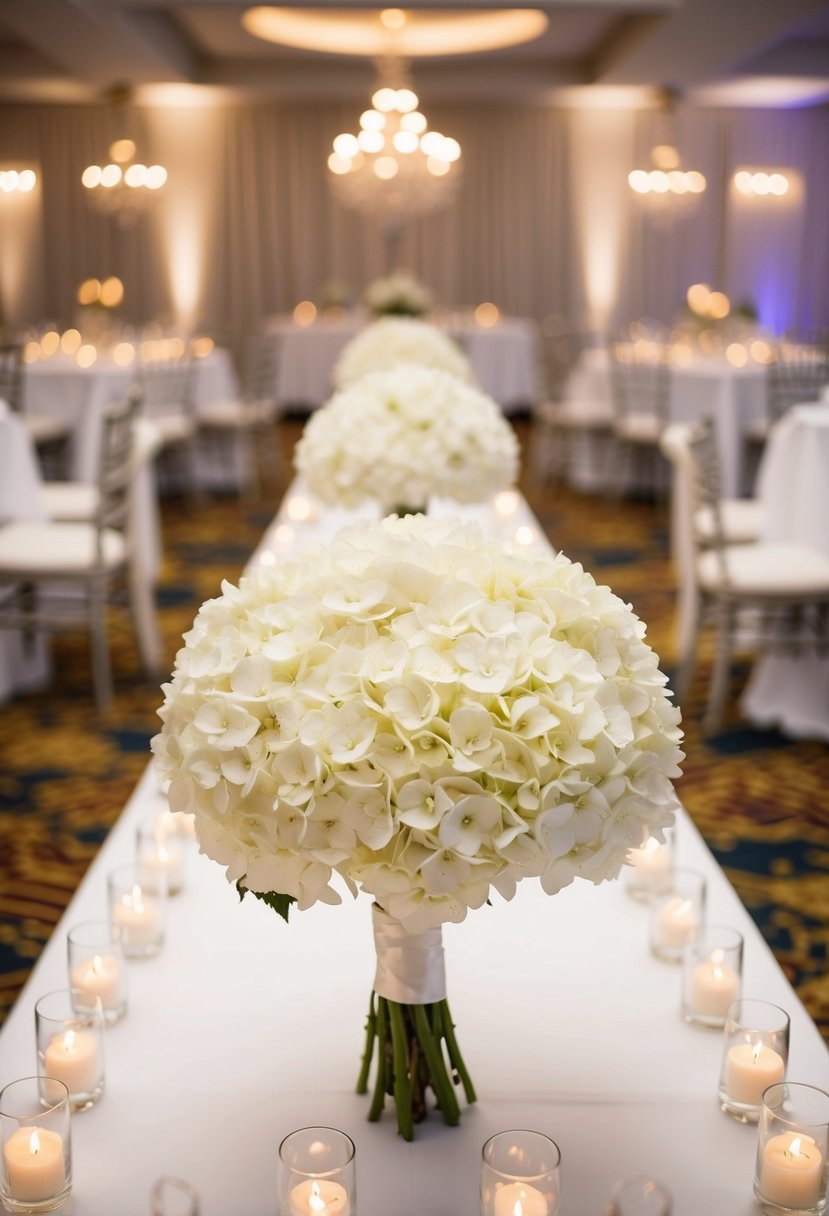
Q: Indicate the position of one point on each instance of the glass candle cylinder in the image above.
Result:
(755, 1054)
(520, 1174)
(792, 1149)
(712, 971)
(649, 869)
(160, 852)
(97, 971)
(136, 909)
(677, 915)
(36, 1173)
(317, 1174)
(173, 1197)
(639, 1197)
(70, 1049)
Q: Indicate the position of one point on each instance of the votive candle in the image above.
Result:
(34, 1161)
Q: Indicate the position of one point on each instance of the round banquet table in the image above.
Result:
(792, 691)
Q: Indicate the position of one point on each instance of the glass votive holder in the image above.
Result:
(639, 1196)
(159, 850)
(70, 1049)
(792, 1149)
(649, 869)
(317, 1174)
(136, 909)
(36, 1174)
(97, 971)
(173, 1197)
(712, 975)
(755, 1054)
(677, 915)
(520, 1173)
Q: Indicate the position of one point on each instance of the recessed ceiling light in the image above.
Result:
(412, 33)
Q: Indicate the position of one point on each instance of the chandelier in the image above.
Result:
(665, 188)
(394, 167)
(125, 186)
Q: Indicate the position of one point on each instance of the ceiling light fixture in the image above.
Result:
(125, 186)
(666, 188)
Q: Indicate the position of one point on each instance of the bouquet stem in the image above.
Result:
(416, 1050)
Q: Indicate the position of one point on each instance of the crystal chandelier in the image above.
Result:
(394, 167)
(665, 188)
(125, 186)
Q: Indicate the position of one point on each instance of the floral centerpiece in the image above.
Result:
(421, 714)
(398, 294)
(403, 434)
(393, 340)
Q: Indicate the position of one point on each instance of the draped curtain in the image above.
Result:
(543, 221)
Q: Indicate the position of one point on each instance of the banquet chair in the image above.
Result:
(49, 433)
(166, 384)
(242, 429)
(59, 574)
(561, 423)
(640, 389)
(776, 595)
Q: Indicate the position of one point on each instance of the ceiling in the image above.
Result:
(714, 52)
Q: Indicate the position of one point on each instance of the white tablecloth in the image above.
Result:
(59, 386)
(734, 396)
(504, 357)
(245, 1028)
(792, 692)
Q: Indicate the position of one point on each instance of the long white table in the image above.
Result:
(504, 357)
(245, 1028)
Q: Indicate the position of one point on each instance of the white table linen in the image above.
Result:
(504, 357)
(245, 1028)
(792, 691)
(734, 396)
(59, 386)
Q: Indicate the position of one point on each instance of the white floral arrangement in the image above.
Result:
(392, 340)
(405, 434)
(398, 294)
(417, 713)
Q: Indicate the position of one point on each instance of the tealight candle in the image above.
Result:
(650, 869)
(319, 1197)
(676, 917)
(73, 1057)
(136, 918)
(34, 1161)
(791, 1169)
(714, 985)
(676, 923)
(519, 1199)
(160, 857)
(98, 977)
(751, 1068)
(712, 974)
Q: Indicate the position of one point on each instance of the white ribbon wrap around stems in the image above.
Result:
(410, 968)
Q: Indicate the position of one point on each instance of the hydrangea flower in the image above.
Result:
(393, 340)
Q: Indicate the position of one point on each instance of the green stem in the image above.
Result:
(455, 1053)
(371, 1034)
(378, 1097)
(402, 1082)
(439, 1077)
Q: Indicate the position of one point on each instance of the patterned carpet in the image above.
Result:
(758, 798)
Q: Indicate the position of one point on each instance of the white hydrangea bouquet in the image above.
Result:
(393, 340)
(404, 434)
(398, 294)
(427, 717)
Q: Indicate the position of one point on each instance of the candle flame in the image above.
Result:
(651, 845)
(97, 964)
(717, 957)
(69, 1040)
(315, 1200)
(518, 1209)
(135, 898)
(794, 1148)
(684, 908)
(34, 1143)
(755, 1055)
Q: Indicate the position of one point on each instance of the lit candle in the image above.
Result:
(99, 976)
(519, 1199)
(163, 858)
(791, 1171)
(749, 1069)
(73, 1057)
(676, 923)
(651, 867)
(714, 986)
(319, 1197)
(34, 1164)
(138, 918)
